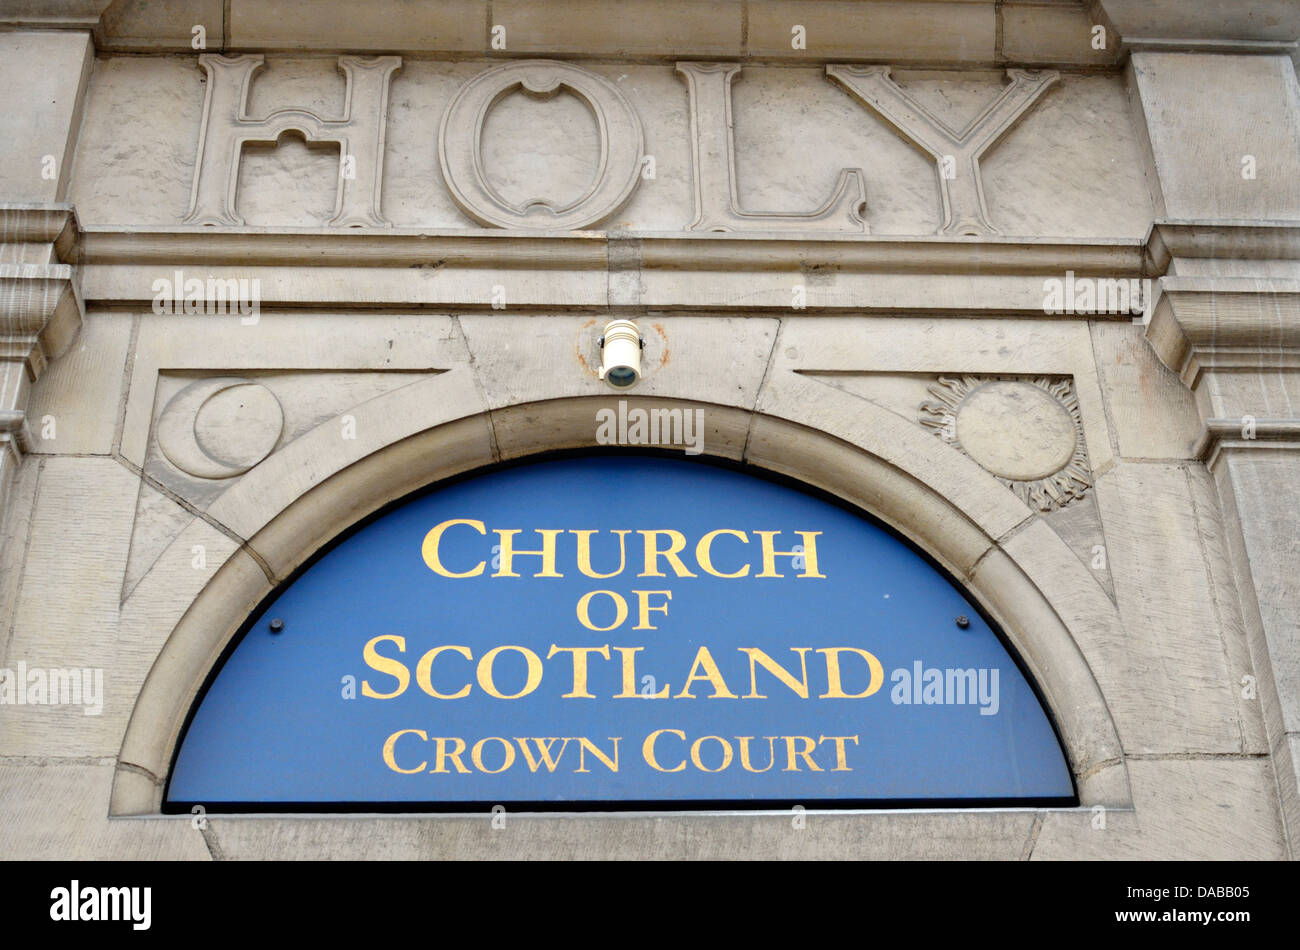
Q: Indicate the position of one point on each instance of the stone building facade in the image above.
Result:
(1020, 279)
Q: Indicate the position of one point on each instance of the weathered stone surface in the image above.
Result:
(1234, 163)
(200, 634)
(222, 346)
(1164, 589)
(1268, 506)
(1036, 32)
(1151, 412)
(621, 28)
(82, 391)
(49, 72)
(13, 542)
(733, 837)
(1186, 809)
(720, 361)
(138, 24)
(159, 518)
(55, 810)
(67, 611)
(455, 26)
(848, 29)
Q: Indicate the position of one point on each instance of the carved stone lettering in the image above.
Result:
(960, 187)
(713, 153)
(226, 126)
(461, 134)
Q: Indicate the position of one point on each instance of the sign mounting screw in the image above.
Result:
(963, 621)
(277, 625)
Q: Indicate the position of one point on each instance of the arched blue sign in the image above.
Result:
(618, 631)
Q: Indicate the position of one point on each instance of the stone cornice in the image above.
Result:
(55, 14)
(15, 435)
(678, 250)
(41, 307)
(36, 223)
(1224, 435)
(581, 270)
(1232, 323)
(1202, 26)
(1222, 240)
(405, 247)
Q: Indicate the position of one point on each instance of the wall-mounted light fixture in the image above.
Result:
(620, 354)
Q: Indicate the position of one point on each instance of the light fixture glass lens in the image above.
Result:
(621, 376)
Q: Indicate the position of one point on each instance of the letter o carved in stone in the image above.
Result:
(461, 135)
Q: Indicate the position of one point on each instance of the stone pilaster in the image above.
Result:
(1236, 343)
(44, 73)
(1227, 238)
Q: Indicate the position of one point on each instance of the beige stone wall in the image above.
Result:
(1154, 608)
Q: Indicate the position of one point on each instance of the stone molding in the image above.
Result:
(1226, 323)
(41, 312)
(1027, 586)
(1222, 435)
(1170, 239)
(41, 308)
(771, 249)
(15, 436)
(580, 270)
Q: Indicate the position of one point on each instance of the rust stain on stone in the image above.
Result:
(663, 359)
(577, 349)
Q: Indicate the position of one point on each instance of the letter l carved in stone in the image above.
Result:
(961, 189)
(226, 126)
(713, 151)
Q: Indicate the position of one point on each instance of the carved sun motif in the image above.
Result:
(1028, 433)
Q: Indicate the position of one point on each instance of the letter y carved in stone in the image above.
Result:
(956, 154)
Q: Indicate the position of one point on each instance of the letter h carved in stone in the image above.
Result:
(226, 126)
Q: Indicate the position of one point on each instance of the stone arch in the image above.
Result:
(1021, 573)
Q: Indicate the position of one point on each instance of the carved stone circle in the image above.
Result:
(1028, 433)
(220, 427)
